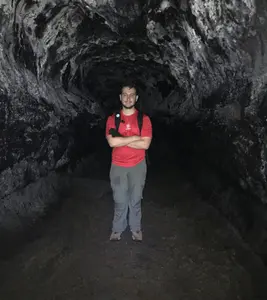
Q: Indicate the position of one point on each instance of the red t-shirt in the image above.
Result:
(125, 156)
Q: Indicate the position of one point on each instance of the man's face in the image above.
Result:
(128, 97)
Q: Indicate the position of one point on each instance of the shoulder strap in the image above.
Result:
(117, 117)
(140, 116)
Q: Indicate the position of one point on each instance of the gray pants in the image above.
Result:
(127, 184)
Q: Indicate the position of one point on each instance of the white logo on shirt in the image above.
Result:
(128, 127)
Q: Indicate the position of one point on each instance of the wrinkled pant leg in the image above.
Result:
(119, 185)
(137, 178)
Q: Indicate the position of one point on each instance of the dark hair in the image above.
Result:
(130, 84)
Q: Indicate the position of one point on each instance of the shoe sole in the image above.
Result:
(136, 239)
(115, 238)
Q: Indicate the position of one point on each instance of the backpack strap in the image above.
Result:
(117, 117)
(140, 117)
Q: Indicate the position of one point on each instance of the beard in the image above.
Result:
(128, 106)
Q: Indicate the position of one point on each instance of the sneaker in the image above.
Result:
(115, 236)
(137, 235)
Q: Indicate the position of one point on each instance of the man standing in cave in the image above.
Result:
(128, 168)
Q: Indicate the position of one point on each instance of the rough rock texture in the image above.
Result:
(62, 63)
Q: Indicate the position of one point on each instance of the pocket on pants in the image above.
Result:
(115, 177)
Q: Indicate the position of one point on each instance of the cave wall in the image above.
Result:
(222, 139)
(41, 125)
(232, 176)
(216, 50)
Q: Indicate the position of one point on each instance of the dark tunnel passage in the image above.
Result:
(200, 69)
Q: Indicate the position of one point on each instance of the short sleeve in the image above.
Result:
(147, 127)
(109, 124)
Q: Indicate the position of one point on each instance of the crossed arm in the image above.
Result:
(135, 141)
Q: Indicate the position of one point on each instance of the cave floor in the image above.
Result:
(188, 251)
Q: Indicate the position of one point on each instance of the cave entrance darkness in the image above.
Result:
(104, 81)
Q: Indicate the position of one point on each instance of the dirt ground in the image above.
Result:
(188, 251)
